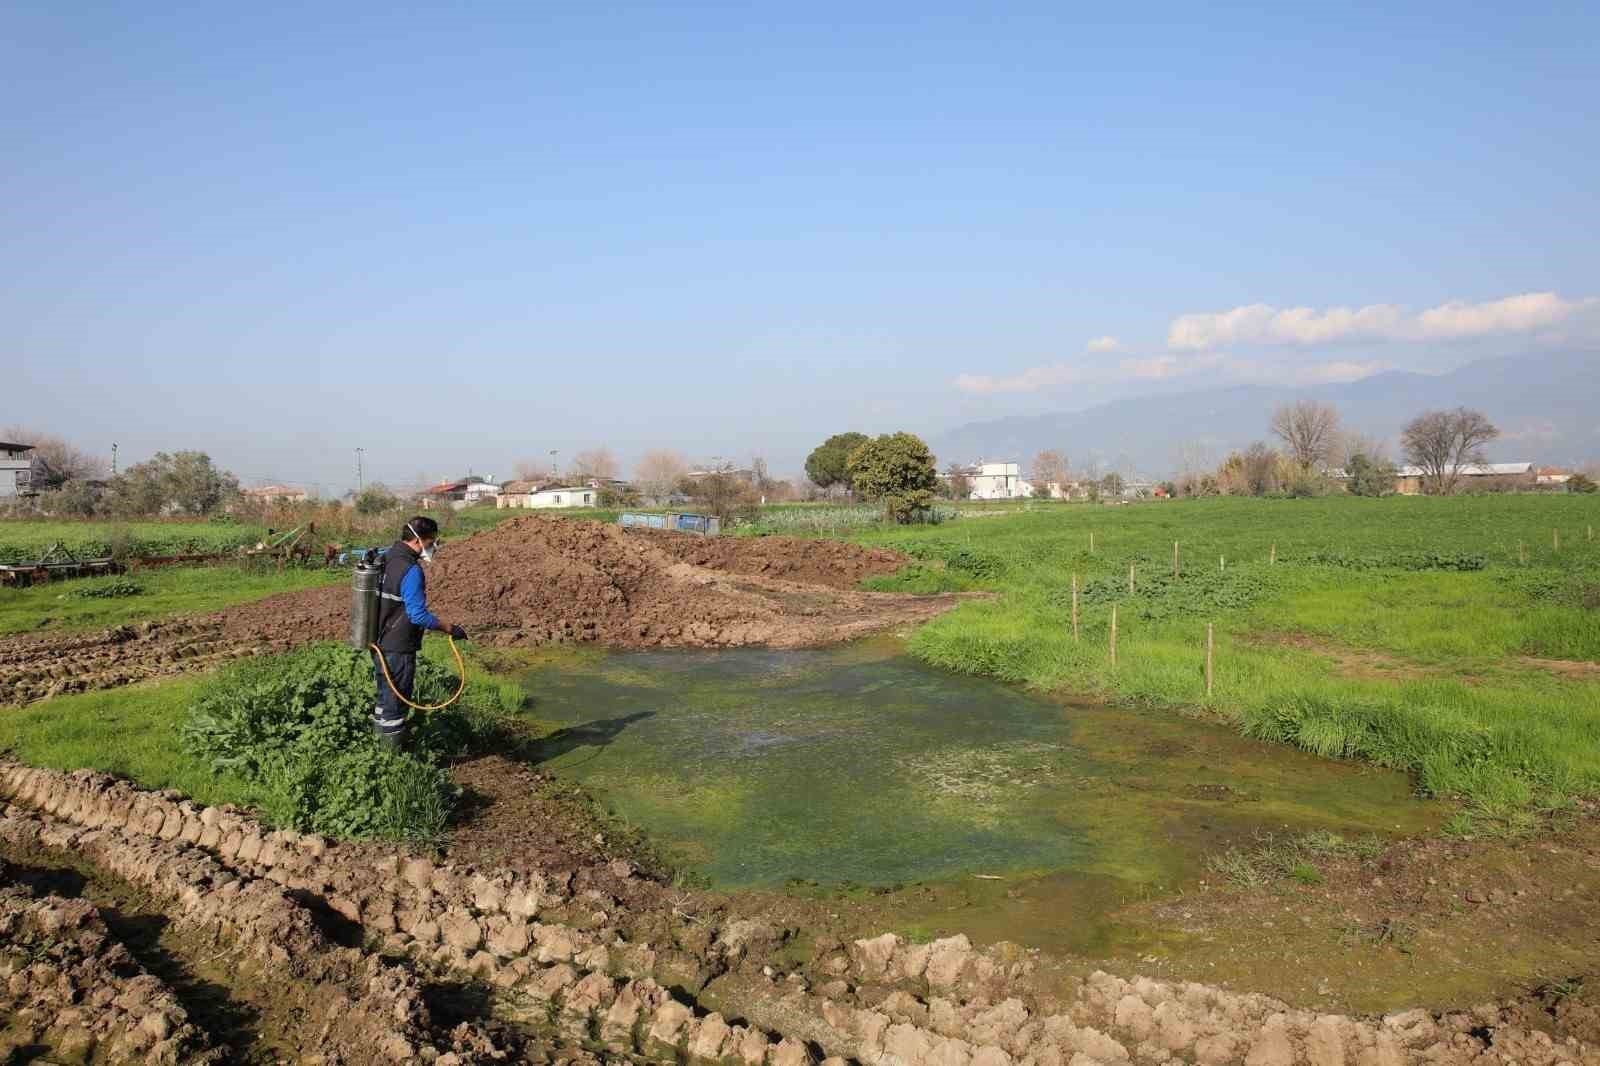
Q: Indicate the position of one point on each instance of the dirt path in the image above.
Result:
(386, 956)
(527, 582)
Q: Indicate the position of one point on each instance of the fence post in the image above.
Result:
(1113, 634)
(1174, 559)
(1272, 554)
(1210, 644)
(1074, 606)
(1130, 579)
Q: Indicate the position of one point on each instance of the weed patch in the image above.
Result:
(299, 727)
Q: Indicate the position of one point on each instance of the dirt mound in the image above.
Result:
(529, 581)
(811, 561)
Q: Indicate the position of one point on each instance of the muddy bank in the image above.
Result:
(528, 582)
(604, 961)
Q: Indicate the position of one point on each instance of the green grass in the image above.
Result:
(127, 731)
(1344, 647)
(23, 539)
(166, 591)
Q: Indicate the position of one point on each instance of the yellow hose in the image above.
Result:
(461, 668)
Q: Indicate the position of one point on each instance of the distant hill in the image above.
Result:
(1546, 405)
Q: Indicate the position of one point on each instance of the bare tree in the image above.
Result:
(1442, 442)
(532, 469)
(1049, 467)
(659, 471)
(56, 460)
(1308, 429)
(595, 462)
(1351, 443)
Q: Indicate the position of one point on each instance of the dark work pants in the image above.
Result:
(389, 716)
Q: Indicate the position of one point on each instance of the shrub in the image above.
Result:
(300, 725)
(108, 590)
(1581, 483)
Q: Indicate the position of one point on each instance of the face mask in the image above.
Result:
(428, 549)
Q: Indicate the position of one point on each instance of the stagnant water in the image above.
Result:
(978, 804)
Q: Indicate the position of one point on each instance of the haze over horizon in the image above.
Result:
(462, 239)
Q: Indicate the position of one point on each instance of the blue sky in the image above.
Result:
(464, 237)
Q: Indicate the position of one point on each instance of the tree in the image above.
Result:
(56, 460)
(725, 494)
(595, 463)
(1581, 483)
(1310, 431)
(1370, 475)
(1259, 467)
(1049, 467)
(658, 472)
(896, 468)
(1443, 442)
(829, 463)
(376, 499)
(531, 470)
(1112, 484)
(960, 484)
(183, 482)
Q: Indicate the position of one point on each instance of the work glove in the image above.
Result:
(457, 633)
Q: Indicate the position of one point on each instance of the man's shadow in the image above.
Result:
(597, 734)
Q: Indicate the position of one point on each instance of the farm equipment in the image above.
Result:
(293, 546)
(56, 563)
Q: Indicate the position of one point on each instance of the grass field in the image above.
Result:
(1401, 631)
(23, 539)
(163, 592)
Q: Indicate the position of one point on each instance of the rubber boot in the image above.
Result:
(394, 741)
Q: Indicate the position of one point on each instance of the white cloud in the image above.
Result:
(1263, 324)
(1104, 344)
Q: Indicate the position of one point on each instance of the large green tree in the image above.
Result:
(182, 482)
(896, 469)
(828, 463)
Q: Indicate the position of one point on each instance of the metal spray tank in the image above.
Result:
(364, 587)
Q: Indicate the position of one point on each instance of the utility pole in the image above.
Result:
(361, 483)
(113, 458)
(553, 472)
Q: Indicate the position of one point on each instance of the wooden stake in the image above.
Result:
(1174, 559)
(1522, 553)
(1074, 606)
(1210, 644)
(1113, 634)
(1555, 540)
(1272, 554)
(1091, 542)
(1591, 532)
(1130, 579)
(1222, 563)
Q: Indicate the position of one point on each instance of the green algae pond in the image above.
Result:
(958, 802)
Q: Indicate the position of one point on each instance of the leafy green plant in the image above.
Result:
(300, 726)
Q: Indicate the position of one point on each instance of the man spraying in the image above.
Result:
(403, 617)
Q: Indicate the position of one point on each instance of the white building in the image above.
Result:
(532, 494)
(15, 468)
(997, 481)
(478, 491)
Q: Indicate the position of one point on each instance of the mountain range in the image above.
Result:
(1546, 405)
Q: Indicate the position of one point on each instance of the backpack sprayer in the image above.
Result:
(364, 588)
